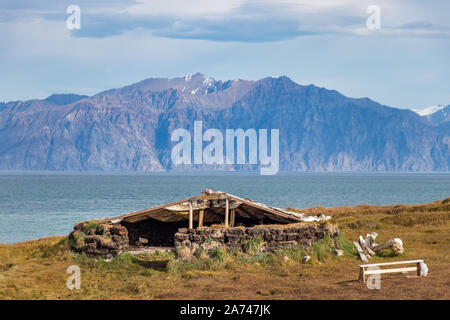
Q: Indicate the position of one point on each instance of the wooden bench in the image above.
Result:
(363, 268)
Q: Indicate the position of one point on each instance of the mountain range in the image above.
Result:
(129, 129)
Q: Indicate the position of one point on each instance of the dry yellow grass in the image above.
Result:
(37, 269)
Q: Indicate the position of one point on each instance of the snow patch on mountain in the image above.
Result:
(429, 110)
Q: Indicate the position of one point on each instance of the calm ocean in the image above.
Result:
(35, 205)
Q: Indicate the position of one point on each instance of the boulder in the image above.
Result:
(118, 229)
(143, 240)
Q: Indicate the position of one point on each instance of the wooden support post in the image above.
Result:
(233, 215)
(200, 218)
(227, 205)
(191, 216)
(361, 275)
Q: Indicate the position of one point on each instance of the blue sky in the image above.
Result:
(404, 64)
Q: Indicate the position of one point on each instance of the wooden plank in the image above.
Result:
(289, 218)
(200, 218)
(360, 251)
(407, 269)
(233, 214)
(150, 210)
(155, 212)
(390, 263)
(226, 212)
(191, 216)
(361, 275)
(216, 196)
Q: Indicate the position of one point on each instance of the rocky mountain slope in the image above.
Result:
(129, 128)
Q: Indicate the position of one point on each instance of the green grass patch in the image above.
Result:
(346, 246)
(252, 246)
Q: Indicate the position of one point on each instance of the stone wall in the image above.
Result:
(108, 240)
(99, 239)
(235, 238)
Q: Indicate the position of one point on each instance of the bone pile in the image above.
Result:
(368, 247)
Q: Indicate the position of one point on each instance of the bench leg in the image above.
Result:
(361, 275)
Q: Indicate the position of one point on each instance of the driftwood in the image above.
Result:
(360, 252)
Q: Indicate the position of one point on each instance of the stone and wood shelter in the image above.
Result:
(211, 216)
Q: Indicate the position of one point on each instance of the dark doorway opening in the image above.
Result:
(157, 233)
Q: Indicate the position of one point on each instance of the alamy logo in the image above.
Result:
(74, 20)
(74, 281)
(374, 281)
(374, 20)
(213, 153)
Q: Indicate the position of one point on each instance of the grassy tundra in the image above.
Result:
(37, 269)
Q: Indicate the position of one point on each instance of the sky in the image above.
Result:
(404, 63)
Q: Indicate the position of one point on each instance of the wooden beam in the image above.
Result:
(233, 215)
(200, 218)
(360, 251)
(361, 275)
(391, 263)
(191, 216)
(380, 271)
(226, 212)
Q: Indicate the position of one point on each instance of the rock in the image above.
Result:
(143, 240)
(338, 252)
(79, 226)
(182, 230)
(104, 229)
(291, 236)
(269, 247)
(202, 254)
(206, 246)
(218, 233)
(305, 259)
(184, 253)
(194, 248)
(233, 238)
(256, 232)
(181, 236)
(230, 247)
(290, 230)
(186, 243)
(307, 243)
(236, 231)
(276, 231)
(289, 244)
(204, 231)
(118, 229)
(285, 258)
(94, 239)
